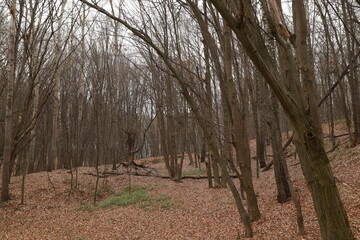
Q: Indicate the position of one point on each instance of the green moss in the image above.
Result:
(136, 195)
(194, 172)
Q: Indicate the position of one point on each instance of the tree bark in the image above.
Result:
(240, 138)
(279, 169)
(8, 135)
(260, 122)
(54, 147)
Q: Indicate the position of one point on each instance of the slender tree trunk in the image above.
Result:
(32, 150)
(353, 75)
(283, 180)
(260, 122)
(54, 149)
(283, 191)
(164, 144)
(212, 165)
(341, 91)
(240, 207)
(207, 162)
(346, 112)
(240, 138)
(78, 136)
(7, 154)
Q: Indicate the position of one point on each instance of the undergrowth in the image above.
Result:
(194, 172)
(140, 196)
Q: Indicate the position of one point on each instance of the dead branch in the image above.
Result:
(340, 78)
(338, 136)
(108, 174)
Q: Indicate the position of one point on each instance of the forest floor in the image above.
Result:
(171, 210)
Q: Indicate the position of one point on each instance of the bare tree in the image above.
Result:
(8, 144)
(300, 108)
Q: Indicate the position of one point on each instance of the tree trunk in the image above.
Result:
(54, 149)
(283, 191)
(240, 138)
(240, 207)
(260, 121)
(283, 180)
(353, 74)
(164, 143)
(331, 214)
(8, 135)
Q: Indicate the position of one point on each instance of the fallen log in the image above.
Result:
(108, 174)
(132, 164)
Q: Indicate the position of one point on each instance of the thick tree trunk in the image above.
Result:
(314, 161)
(328, 206)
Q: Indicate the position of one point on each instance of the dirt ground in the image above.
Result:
(200, 213)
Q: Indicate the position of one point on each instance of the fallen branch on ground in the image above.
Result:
(337, 136)
(108, 174)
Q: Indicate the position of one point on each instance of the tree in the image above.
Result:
(300, 107)
(8, 144)
(208, 130)
(54, 149)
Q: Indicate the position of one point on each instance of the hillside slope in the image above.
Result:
(52, 212)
